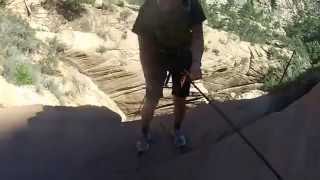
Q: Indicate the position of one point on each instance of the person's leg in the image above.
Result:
(181, 87)
(154, 81)
(155, 76)
(179, 114)
(180, 92)
(179, 111)
(148, 109)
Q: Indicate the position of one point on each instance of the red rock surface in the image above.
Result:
(91, 143)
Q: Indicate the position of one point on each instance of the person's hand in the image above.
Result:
(195, 71)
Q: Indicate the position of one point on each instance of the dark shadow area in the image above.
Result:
(276, 101)
(286, 139)
(91, 142)
(61, 143)
(287, 93)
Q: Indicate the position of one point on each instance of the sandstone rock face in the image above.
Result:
(40, 18)
(98, 3)
(100, 45)
(45, 36)
(11, 95)
(117, 71)
(68, 87)
(75, 89)
(231, 65)
(80, 41)
(251, 94)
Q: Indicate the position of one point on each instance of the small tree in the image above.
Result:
(3, 3)
(70, 9)
(17, 43)
(23, 75)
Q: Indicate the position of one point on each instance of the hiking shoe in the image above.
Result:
(179, 139)
(143, 144)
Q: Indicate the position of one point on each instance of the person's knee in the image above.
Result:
(153, 94)
(152, 99)
(179, 99)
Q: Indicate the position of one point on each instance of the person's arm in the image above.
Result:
(141, 27)
(197, 44)
(197, 48)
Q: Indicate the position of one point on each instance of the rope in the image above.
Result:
(286, 68)
(232, 125)
(235, 129)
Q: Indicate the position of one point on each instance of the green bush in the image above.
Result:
(69, 9)
(3, 3)
(250, 23)
(101, 49)
(120, 3)
(305, 29)
(124, 15)
(136, 2)
(23, 75)
(272, 78)
(50, 62)
(75, 5)
(17, 43)
(303, 36)
(257, 25)
(215, 18)
(14, 32)
(309, 78)
(18, 69)
(298, 66)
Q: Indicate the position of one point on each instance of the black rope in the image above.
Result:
(235, 129)
(286, 68)
(231, 124)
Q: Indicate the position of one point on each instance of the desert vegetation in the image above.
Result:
(261, 25)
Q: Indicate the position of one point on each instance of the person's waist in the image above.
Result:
(173, 51)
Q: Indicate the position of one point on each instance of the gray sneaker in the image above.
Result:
(143, 144)
(179, 139)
